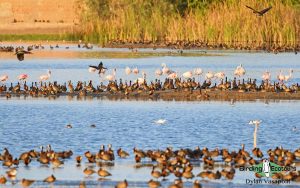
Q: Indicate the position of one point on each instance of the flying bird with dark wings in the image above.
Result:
(20, 53)
(259, 13)
(99, 67)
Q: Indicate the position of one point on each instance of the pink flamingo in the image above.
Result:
(3, 78)
(173, 75)
(45, 76)
(22, 76)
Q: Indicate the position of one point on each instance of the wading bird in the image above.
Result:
(45, 76)
(259, 13)
(256, 123)
(127, 70)
(239, 71)
(22, 76)
(3, 78)
(111, 77)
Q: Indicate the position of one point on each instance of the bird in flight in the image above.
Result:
(99, 67)
(20, 53)
(259, 13)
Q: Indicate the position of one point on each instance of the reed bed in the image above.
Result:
(207, 21)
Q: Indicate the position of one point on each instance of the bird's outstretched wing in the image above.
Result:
(254, 11)
(27, 52)
(265, 10)
(92, 66)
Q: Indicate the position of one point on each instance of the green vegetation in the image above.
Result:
(209, 21)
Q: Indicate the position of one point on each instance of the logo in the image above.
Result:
(267, 169)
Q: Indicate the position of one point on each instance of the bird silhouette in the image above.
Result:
(20, 54)
(99, 67)
(259, 13)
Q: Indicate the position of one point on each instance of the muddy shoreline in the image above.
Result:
(186, 45)
(169, 95)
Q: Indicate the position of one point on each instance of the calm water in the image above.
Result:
(77, 69)
(29, 123)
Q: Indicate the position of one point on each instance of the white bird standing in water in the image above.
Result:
(188, 74)
(160, 121)
(135, 70)
(3, 78)
(173, 75)
(240, 71)
(165, 69)
(45, 76)
(209, 75)
(287, 77)
(111, 77)
(143, 79)
(127, 70)
(266, 76)
(256, 123)
(198, 72)
(158, 72)
(219, 75)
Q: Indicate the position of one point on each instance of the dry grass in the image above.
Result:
(221, 22)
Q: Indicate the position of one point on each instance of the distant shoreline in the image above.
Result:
(169, 95)
(178, 45)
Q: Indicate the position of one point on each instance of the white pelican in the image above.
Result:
(266, 76)
(143, 79)
(165, 69)
(3, 78)
(45, 76)
(198, 71)
(111, 77)
(127, 70)
(287, 77)
(22, 76)
(160, 121)
(219, 75)
(280, 77)
(158, 72)
(188, 74)
(135, 70)
(209, 75)
(239, 71)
